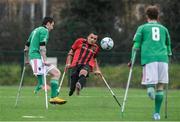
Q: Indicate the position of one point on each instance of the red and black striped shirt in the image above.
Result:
(84, 53)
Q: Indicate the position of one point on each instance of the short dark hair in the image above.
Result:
(46, 20)
(152, 12)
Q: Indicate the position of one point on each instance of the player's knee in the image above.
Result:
(160, 86)
(83, 72)
(56, 74)
(82, 79)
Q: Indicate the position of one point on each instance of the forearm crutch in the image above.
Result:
(129, 79)
(166, 102)
(62, 79)
(110, 90)
(45, 84)
(20, 85)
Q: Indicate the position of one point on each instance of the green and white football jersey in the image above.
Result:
(37, 36)
(154, 42)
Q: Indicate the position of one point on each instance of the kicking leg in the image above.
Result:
(74, 79)
(82, 80)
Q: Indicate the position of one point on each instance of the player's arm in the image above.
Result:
(137, 40)
(43, 52)
(136, 43)
(44, 34)
(168, 43)
(97, 69)
(69, 58)
(135, 48)
(71, 53)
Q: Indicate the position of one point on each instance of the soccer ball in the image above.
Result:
(107, 43)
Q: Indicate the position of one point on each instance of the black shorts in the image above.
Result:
(75, 70)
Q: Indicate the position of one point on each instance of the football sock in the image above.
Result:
(40, 83)
(158, 100)
(82, 80)
(151, 91)
(73, 81)
(54, 88)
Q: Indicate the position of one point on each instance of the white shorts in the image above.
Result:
(38, 68)
(155, 72)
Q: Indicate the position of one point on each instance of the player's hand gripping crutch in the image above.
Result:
(129, 79)
(110, 90)
(20, 85)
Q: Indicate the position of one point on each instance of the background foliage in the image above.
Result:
(115, 18)
(116, 76)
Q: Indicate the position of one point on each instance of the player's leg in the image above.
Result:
(163, 79)
(39, 84)
(55, 75)
(37, 68)
(150, 78)
(151, 91)
(158, 100)
(74, 79)
(84, 70)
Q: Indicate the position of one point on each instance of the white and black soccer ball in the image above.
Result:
(107, 43)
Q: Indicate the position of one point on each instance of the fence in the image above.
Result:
(104, 57)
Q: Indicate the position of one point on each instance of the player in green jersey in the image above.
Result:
(35, 50)
(153, 40)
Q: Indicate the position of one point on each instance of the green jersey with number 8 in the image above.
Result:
(153, 40)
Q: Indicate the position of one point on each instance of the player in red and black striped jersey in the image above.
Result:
(82, 59)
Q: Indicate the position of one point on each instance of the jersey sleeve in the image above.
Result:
(168, 43)
(44, 35)
(137, 41)
(76, 44)
(138, 38)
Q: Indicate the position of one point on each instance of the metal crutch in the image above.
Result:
(128, 82)
(21, 81)
(20, 85)
(45, 83)
(110, 90)
(62, 79)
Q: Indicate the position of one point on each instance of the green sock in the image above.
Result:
(40, 79)
(54, 88)
(158, 100)
(40, 83)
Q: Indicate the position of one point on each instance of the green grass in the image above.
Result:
(116, 75)
(94, 104)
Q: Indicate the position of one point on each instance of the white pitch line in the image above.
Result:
(31, 117)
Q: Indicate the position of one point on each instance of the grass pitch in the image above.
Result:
(93, 104)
